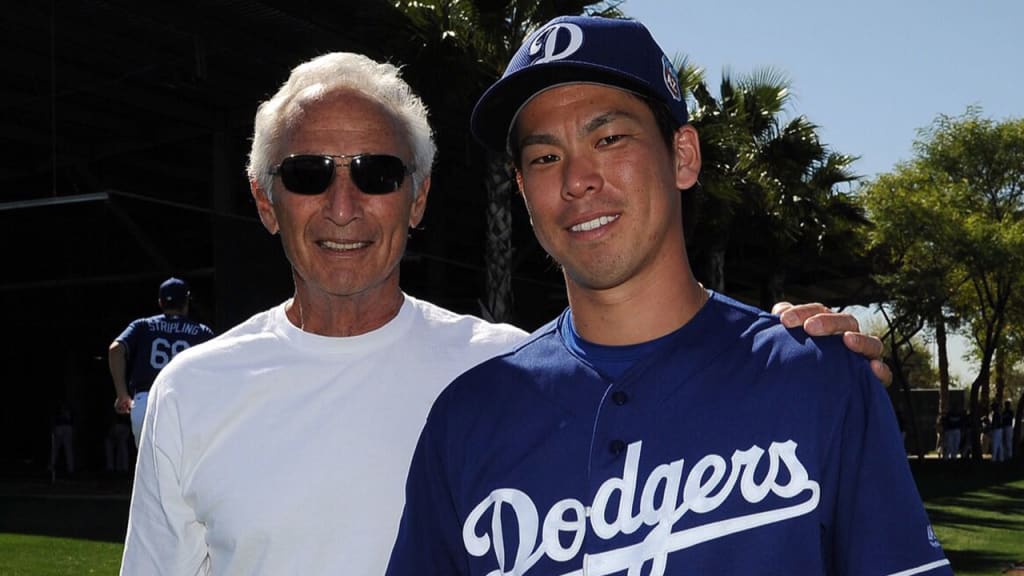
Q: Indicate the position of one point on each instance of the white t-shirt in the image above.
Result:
(269, 450)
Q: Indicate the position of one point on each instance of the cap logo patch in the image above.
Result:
(668, 71)
(546, 42)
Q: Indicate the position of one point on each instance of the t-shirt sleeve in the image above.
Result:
(881, 526)
(164, 536)
(429, 538)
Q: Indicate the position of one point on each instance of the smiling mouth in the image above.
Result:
(342, 246)
(594, 224)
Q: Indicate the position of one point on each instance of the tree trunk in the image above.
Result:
(497, 305)
(999, 373)
(773, 290)
(980, 383)
(900, 376)
(911, 417)
(943, 353)
(716, 268)
(1018, 430)
(985, 393)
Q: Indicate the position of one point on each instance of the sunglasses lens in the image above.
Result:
(307, 174)
(310, 174)
(377, 173)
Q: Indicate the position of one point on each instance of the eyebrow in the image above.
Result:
(538, 139)
(589, 127)
(606, 118)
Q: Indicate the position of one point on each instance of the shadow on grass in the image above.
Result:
(974, 498)
(88, 509)
(974, 486)
(978, 561)
(938, 478)
(98, 509)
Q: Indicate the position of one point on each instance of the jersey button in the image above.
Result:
(617, 447)
(620, 397)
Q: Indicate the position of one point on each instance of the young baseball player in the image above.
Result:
(655, 427)
(142, 350)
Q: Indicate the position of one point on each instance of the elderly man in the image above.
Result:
(282, 446)
(655, 427)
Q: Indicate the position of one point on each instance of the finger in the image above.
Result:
(781, 307)
(795, 316)
(830, 323)
(864, 344)
(882, 371)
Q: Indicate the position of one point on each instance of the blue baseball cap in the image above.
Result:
(570, 49)
(174, 291)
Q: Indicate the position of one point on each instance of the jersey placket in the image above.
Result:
(612, 481)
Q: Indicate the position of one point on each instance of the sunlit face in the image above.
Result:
(343, 242)
(601, 186)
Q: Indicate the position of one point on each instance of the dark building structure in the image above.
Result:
(124, 137)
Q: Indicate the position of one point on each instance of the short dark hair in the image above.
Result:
(667, 123)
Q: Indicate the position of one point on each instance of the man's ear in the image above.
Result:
(686, 149)
(264, 207)
(522, 194)
(419, 203)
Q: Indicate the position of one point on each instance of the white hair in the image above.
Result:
(312, 81)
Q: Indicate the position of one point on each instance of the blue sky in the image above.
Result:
(870, 73)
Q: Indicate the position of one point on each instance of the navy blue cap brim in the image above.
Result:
(494, 112)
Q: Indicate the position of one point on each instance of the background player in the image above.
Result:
(138, 354)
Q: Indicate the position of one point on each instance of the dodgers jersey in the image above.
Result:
(736, 446)
(152, 342)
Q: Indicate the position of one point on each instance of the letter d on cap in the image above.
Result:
(548, 39)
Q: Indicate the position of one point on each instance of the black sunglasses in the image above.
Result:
(312, 174)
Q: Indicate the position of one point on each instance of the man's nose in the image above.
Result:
(581, 177)
(343, 200)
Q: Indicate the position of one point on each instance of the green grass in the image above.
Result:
(48, 556)
(977, 510)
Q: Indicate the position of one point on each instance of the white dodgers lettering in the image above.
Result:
(710, 482)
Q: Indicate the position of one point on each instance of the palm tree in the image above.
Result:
(801, 213)
(734, 127)
(769, 193)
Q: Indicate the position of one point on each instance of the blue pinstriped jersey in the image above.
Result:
(735, 446)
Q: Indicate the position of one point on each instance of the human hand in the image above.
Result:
(818, 320)
(123, 405)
